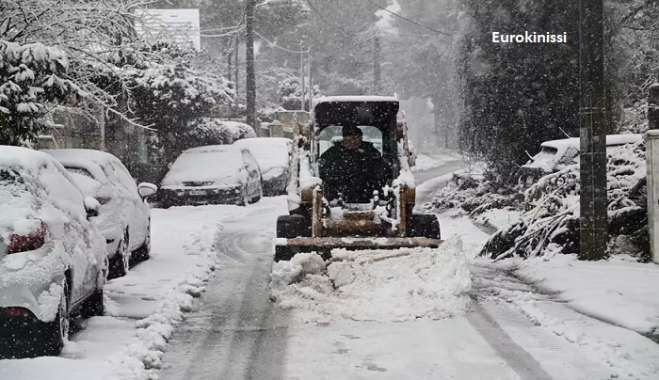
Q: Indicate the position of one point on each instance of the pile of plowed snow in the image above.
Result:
(375, 285)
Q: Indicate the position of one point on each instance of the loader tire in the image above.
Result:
(283, 253)
(291, 226)
(424, 225)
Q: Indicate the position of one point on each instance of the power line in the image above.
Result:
(274, 45)
(409, 19)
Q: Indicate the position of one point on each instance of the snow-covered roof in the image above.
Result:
(17, 157)
(354, 98)
(610, 140)
(623, 139)
(45, 192)
(83, 158)
(562, 143)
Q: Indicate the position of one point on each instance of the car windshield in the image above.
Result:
(207, 164)
(546, 154)
(79, 170)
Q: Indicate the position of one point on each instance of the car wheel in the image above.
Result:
(93, 306)
(120, 263)
(244, 199)
(424, 225)
(144, 252)
(57, 331)
(258, 195)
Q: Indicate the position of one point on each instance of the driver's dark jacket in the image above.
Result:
(352, 174)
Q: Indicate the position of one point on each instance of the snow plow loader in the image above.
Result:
(350, 183)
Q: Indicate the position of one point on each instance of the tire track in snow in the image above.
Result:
(236, 333)
(525, 365)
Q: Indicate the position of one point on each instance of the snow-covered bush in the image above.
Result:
(213, 131)
(475, 194)
(31, 75)
(168, 97)
(552, 216)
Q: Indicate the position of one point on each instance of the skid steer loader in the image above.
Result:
(382, 220)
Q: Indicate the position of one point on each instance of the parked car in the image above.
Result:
(555, 155)
(272, 155)
(212, 174)
(124, 218)
(53, 261)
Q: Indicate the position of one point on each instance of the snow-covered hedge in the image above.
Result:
(550, 208)
(551, 220)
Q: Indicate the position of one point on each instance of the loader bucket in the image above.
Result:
(285, 249)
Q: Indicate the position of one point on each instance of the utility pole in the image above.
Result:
(377, 70)
(229, 63)
(592, 127)
(250, 89)
(310, 82)
(302, 84)
(236, 66)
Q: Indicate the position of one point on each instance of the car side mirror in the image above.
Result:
(146, 189)
(91, 206)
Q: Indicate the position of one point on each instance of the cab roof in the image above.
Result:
(377, 111)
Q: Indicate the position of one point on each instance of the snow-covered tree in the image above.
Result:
(31, 77)
(521, 94)
(168, 96)
(91, 33)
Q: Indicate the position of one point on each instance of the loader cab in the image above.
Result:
(375, 116)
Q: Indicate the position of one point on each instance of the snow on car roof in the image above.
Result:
(352, 98)
(205, 163)
(84, 158)
(575, 142)
(22, 158)
(49, 186)
(269, 152)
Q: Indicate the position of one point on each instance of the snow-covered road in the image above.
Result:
(240, 333)
(426, 315)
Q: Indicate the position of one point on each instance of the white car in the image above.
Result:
(124, 218)
(53, 261)
(555, 155)
(272, 155)
(224, 174)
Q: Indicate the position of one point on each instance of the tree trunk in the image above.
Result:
(250, 88)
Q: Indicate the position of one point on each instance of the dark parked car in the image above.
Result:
(53, 261)
(223, 174)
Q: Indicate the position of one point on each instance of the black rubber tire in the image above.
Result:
(143, 253)
(57, 331)
(424, 225)
(283, 253)
(292, 226)
(93, 306)
(118, 265)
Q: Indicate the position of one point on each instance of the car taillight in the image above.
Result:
(15, 312)
(27, 242)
